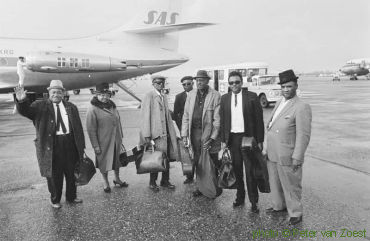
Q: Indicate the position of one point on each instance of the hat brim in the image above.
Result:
(204, 77)
(55, 87)
(102, 92)
(294, 80)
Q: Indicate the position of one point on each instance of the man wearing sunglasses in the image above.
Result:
(178, 111)
(157, 127)
(241, 115)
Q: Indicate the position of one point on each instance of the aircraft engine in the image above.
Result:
(69, 62)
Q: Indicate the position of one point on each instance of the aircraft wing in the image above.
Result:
(168, 28)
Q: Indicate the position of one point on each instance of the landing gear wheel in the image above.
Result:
(76, 92)
(263, 101)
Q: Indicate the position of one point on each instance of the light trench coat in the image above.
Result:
(205, 169)
(155, 113)
(105, 131)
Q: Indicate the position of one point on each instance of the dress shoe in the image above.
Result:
(197, 193)
(120, 183)
(56, 205)
(77, 200)
(273, 211)
(295, 220)
(188, 180)
(167, 185)
(254, 208)
(107, 190)
(154, 187)
(238, 203)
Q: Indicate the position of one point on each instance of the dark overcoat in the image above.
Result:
(178, 108)
(41, 112)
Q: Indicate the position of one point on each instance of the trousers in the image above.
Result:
(238, 159)
(65, 157)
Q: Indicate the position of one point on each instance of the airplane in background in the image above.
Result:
(146, 44)
(356, 67)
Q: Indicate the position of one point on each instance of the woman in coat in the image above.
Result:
(105, 132)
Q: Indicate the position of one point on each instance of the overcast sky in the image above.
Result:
(305, 35)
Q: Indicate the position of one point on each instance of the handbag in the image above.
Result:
(187, 156)
(260, 171)
(226, 178)
(151, 161)
(123, 158)
(85, 171)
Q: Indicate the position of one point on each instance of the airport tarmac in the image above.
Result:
(336, 179)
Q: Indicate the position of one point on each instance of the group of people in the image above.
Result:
(208, 123)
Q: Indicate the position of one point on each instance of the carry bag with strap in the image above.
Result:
(187, 156)
(151, 161)
(85, 171)
(226, 177)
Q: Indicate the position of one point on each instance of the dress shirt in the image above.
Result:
(281, 106)
(64, 114)
(237, 118)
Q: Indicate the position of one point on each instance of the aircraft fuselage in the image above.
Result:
(81, 63)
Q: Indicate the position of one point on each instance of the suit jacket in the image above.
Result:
(252, 113)
(289, 134)
(210, 117)
(154, 113)
(178, 109)
(41, 112)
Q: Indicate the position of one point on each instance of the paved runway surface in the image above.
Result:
(336, 177)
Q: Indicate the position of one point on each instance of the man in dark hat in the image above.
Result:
(178, 111)
(60, 141)
(157, 127)
(201, 125)
(288, 135)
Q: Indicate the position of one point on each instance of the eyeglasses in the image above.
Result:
(159, 82)
(237, 82)
(187, 84)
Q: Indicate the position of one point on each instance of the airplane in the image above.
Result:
(356, 67)
(145, 44)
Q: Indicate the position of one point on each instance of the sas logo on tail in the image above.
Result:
(155, 17)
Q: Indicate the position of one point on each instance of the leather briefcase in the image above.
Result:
(85, 171)
(151, 161)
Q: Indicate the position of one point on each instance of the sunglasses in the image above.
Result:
(237, 82)
(158, 82)
(186, 84)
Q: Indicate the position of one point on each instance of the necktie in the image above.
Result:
(236, 100)
(60, 121)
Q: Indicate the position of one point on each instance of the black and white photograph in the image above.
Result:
(184, 120)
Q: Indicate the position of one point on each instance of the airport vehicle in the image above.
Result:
(336, 78)
(356, 67)
(145, 44)
(255, 78)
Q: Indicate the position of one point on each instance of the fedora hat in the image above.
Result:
(56, 84)
(202, 74)
(287, 76)
(102, 88)
(161, 77)
(186, 78)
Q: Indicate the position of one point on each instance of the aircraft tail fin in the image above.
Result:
(155, 21)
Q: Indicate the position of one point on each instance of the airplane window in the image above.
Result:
(73, 62)
(61, 62)
(85, 63)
